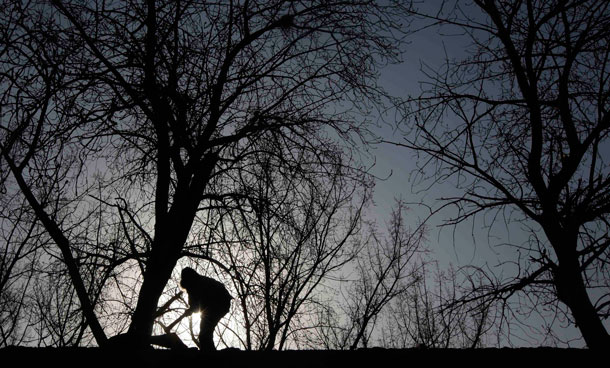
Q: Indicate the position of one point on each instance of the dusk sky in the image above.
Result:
(426, 49)
(472, 242)
(168, 165)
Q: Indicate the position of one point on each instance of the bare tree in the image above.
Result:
(430, 315)
(145, 107)
(20, 249)
(387, 267)
(36, 148)
(522, 123)
(290, 235)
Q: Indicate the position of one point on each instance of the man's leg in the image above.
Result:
(209, 320)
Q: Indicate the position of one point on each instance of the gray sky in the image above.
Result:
(469, 243)
(429, 48)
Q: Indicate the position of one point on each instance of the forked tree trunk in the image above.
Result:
(170, 237)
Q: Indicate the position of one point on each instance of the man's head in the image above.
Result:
(187, 277)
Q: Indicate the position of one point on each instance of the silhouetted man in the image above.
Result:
(211, 298)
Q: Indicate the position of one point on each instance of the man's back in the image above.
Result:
(204, 292)
(211, 292)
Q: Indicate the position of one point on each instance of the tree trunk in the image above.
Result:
(166, 250)
(158, 272)
(63, 244)
(271, 339)
(572, 291)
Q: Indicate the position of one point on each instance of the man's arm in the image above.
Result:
(194, 305)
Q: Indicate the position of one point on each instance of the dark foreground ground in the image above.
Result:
(372, 358)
